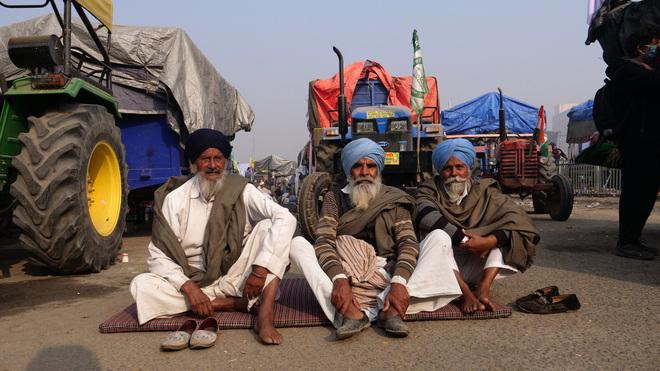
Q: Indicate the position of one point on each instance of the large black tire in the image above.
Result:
(560, 199)
(310, 201)
(540, 202)
(71, 189)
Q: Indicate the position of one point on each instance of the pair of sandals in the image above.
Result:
(190, 333)
(547, 300)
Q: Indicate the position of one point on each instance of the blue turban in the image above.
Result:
(202, 139)
(359, 149)
(461, 148)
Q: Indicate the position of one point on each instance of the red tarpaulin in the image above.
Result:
(323, 93)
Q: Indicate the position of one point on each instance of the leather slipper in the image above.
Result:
(546, 291)
(179, 339)
(394, 326)
(351, 326)
(205, 335)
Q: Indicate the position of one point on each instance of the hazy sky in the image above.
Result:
(269, 50)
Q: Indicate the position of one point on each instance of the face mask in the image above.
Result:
(652, 55)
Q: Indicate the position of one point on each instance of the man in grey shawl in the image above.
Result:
(217, 243)
(492, 237)
(366, 264)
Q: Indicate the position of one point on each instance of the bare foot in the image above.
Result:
(470, 303)
(484, 298)
(267, 333)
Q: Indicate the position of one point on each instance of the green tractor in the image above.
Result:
(62, 163)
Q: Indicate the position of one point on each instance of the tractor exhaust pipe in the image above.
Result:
(503, 136)
(342, 106)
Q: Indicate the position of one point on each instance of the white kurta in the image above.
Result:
(268, 232)
(432, 284)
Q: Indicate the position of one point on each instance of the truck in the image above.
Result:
(91, 125)
(369, 104)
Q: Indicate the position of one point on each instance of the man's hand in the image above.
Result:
(398, 298)
(199, 302)
(255, 282)
(342, 296)
(478, 245)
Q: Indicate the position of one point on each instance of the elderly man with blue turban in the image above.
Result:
(366, 263)
(491, 236)
(218, 244)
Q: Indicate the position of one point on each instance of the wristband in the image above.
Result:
(257, 275)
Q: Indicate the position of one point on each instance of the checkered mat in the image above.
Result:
(296, 307)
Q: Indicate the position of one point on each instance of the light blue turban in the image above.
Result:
(359, 149)
(461, 148)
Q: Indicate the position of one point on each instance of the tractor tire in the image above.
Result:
(310, 200)
(540, 202)
(71, 189)
(324, 157)
(560, 200)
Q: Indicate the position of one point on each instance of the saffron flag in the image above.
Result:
(539, 136)
(418, 87)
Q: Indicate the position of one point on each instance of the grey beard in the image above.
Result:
(455, 186)
(208, 188)
(362, 194)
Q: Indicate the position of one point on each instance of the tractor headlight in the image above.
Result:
(492, 162)
(399, 125)
(365, 127)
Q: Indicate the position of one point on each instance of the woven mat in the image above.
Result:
(296, 307)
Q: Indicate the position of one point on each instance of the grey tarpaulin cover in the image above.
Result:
(277, 164)
(153, 66)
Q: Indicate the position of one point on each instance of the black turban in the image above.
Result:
(202, 139)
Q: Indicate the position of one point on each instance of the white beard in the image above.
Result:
(362, 194)
(208, 188)
(455, 187)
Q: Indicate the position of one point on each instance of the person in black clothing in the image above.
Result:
(635, 100)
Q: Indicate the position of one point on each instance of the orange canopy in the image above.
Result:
(323, 93)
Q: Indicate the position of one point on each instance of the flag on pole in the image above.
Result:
(419, 87)
(539, 136)
(251, 163)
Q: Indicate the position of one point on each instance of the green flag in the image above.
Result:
(418, 87)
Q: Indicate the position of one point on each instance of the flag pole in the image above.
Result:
(418, 88)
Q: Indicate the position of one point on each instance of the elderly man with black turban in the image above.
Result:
(218, 244)
(366, 263)
(492, 237)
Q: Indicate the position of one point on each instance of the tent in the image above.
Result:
(277, 164)
(481, 116)
(581, 123)
(156, 70)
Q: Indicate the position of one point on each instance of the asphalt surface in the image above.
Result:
(51, 322)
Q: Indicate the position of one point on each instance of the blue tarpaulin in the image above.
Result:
(481, 115)
(581, 125)
(583, 112)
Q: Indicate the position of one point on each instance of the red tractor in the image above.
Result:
(519, 169)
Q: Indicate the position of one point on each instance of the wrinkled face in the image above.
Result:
(211, 164)
(454, 167)
(364, 168)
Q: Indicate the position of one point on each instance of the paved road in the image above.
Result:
(52, 323)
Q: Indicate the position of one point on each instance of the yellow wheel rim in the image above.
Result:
(103, 188)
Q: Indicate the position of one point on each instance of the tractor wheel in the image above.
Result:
(540, 202)
(310, 200)
(71, 189)
(560, 199)
(324, 157)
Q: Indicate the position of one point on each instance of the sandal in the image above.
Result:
(205, 335)
(179, 339)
